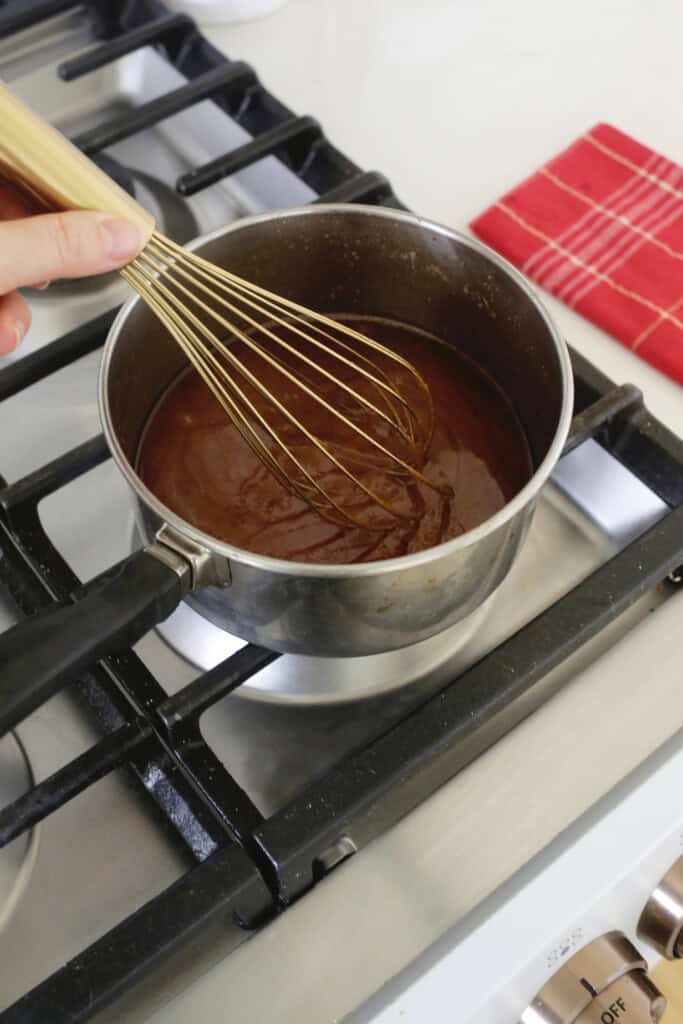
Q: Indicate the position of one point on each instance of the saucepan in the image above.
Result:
(336, 258)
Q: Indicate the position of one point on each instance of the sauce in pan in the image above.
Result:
(194, 460)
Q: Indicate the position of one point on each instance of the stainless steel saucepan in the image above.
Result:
(348, 259)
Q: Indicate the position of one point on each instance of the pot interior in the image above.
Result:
(358, 260)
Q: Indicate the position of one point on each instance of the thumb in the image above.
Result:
(53, 245)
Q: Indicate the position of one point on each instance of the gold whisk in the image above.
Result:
(193, 297)
(358, 383)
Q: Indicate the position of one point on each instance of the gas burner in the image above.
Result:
(16, 859)
(172, 215)
(116, 171)
(295, 679)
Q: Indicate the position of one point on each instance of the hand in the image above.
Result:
(36, 248)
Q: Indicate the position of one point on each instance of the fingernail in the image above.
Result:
(122, 239)
(19, 332)
(42, 286)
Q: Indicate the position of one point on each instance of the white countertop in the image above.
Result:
(456, 101)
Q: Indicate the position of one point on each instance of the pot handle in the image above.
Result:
(46, 651)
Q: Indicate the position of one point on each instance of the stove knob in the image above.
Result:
(661, 922)
(604, 983)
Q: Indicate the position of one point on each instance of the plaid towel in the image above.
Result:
(601, 227)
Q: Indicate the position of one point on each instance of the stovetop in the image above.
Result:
(318, 785)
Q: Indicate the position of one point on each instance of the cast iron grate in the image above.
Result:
(249, 868)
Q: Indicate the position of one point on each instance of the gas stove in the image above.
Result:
(195, 792)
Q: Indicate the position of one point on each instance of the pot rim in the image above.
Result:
(332, 570)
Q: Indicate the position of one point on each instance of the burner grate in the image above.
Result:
(248, 868)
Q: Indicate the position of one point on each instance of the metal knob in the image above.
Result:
(661, 921)
(604, 983)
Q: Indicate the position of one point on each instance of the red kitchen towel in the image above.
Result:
(601, 227)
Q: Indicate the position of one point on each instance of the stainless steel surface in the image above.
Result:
(273, 751)
(103, 855)
(98, 859)
(176, 562)
(18, 858)
(355, 260)
(576, 525)
(204, 570)
(600, 983)
(661, 921)
(295, 678)
(355, 381)
(634, 999)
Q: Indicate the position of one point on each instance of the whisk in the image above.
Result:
(255, 350)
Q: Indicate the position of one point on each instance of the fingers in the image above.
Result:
(15, 319)
(12, 206)
(53, 245)
(41, 248)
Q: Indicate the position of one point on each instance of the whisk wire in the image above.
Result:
(163, 273)
(264, 329)
(202, 356)
(302, 314)
(198, 354)
(256, 383)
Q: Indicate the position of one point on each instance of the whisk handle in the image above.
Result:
(41, 161)
(42, 654)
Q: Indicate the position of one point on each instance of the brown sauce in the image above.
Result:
(194, 460)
